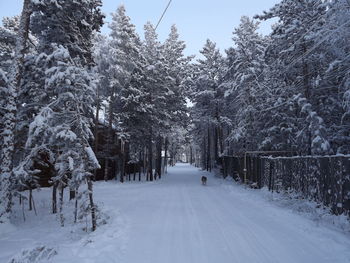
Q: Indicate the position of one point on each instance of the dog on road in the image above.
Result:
(204, 180)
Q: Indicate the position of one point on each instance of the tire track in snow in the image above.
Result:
(242, 231)
(196, 228)
(204, 204)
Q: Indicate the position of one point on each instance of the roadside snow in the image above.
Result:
(177, 220)
(294, 202)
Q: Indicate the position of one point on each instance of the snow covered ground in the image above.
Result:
(177, 220)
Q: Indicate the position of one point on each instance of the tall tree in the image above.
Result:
(208, 96)
(244, 87)
(63, 126)
(11, 87)
(293, 70)
(64, 117)
(177, 71)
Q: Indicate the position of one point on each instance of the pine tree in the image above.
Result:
(68, 23)
(156, 92)
(125, 63)
(293, 71)
(63, 125)
(64, 107)
(208, 97)
(8, 35)
(177, 72)
(11, 85)
(332, 84)
(120, 66)
(245, 84)
(7, 148)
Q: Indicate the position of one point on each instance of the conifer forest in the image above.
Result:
(107, 135)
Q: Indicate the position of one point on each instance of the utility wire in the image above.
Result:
(161, 18)
(134, 66)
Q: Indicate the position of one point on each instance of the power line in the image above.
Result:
(134, 66)
(161, 18)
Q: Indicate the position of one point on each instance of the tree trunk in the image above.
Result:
(216, 143)
(110, 140)
(71, 194)
(76, 208)
(204, 159)
(106, 170)
(92, 204)
(116, 169)
(208, 151)
(221, 140)
(140, 164)
(166, 155)
(150, 160)
(191, 155)
(30, 199)
(144, 168)
(159, 157)
(54, 198)
(96, 126)
(61, 192)
(121, 170)
(134, 166)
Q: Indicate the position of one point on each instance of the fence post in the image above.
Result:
(270, 175)
(346, 187)
(245, 168)
(260, 171)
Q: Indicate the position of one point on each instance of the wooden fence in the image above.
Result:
(322, 179)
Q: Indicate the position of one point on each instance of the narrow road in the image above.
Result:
(177, 220)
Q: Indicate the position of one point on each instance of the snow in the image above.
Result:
(92, 157)
(67, 135)
(176, 219)
(70, 163)
(6, 227)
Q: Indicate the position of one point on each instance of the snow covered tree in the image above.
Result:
(10, 86)
(332, 83)
(6, 177)
(124, 63)
(119, 64)
(177, 72)
(63, 126)
(62, 89)
(318, 137)
(156, 92)
(245, 84)
(207, 97)
(294, 61)
(8, 41)
(68, 23)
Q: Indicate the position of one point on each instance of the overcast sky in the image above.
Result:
(196, 20)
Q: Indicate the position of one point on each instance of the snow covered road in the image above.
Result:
(177, 220)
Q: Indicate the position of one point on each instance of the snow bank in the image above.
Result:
(39, 254)
(314, 211)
